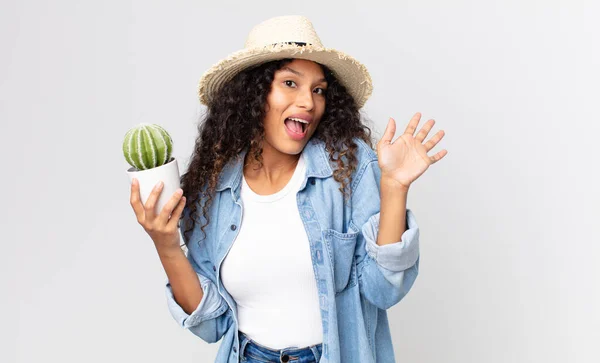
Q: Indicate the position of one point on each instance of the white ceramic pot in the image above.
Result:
(168, 173)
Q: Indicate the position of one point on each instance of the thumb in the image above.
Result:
(389, 132)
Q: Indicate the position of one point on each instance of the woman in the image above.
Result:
(284, 168)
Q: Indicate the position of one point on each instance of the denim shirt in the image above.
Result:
(357, 279)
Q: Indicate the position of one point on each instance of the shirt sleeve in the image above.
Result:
(385, 273)
(212, 317)
(210, 307)
(397, 256)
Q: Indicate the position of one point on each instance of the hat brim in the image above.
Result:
(350, 72)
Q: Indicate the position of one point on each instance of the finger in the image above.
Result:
(434, 140)
(174, 221)
(389, 132)
(168, 208)
(135, 202)
(412, 125)
(151, 201)
(437, 157)
(422, 134)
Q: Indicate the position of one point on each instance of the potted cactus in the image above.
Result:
(147, 148)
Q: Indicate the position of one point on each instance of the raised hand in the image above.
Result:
(405, 159)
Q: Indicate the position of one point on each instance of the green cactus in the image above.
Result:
(147, 146)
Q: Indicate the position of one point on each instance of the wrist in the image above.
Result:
(169, 252)
(389, 183)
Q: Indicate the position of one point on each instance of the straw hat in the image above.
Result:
(291, 36)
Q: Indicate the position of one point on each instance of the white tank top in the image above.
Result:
(268, 270)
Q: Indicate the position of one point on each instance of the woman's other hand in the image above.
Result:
(404, 160)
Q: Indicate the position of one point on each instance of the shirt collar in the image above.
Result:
(315, 155)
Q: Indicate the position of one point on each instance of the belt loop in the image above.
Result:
(243, 344)
(316, 353)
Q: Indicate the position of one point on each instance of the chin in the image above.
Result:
(294, 149)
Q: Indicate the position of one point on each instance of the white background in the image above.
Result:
(509, 236)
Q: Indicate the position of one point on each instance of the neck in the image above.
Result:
(276, 165)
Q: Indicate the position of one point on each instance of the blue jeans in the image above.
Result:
(252, 352)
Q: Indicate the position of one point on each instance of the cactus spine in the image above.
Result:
(147, 146)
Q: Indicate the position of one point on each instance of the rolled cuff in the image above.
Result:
(211, 305)
(397, 256)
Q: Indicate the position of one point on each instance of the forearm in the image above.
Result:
(392, 220)
(184, 281)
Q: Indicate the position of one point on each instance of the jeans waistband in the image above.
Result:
(251, 349)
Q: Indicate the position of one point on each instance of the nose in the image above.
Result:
(305, 99)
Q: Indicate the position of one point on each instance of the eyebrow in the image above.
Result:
(286, 68)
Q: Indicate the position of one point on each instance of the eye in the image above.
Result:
(286, 82)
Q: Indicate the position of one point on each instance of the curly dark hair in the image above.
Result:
(233, 122)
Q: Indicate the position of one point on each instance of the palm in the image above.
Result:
(406, 159)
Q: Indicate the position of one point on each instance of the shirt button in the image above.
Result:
(234, 349)
(233, 227)
(312, 182)
(285, 358)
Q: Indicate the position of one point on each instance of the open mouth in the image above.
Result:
(295, 126)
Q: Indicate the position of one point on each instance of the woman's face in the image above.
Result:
(298, 91)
